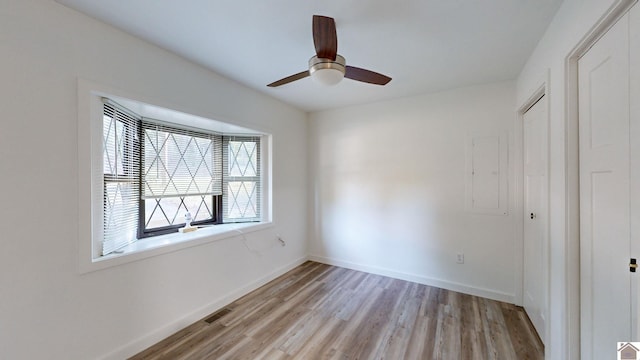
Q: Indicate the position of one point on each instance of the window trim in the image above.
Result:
(90, 181)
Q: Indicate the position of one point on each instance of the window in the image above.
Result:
(121, 169)
(241, 163)
(154, 172)
(181, 172)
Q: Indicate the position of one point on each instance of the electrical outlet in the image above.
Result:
(460, 258)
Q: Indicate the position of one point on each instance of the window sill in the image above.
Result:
(163, 244)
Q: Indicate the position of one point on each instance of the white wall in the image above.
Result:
(573, 21)
(387, 187)
(389, 190)
(47, 309)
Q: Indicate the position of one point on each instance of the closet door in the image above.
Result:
(536, 196)
(634, 161)
(605, 243)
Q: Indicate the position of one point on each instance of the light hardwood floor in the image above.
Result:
(318, 311)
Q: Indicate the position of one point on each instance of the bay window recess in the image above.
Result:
(154, 172)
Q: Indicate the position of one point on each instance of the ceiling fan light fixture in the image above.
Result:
(327, 67)
(327, 71)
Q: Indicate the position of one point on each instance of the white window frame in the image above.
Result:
(90, 181)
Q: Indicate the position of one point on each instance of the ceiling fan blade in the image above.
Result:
(288, 79)
(367, 76)
(324, 37)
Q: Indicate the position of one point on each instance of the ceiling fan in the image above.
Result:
(327, 66)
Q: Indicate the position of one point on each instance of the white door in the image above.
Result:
(634, 161)
(604, 125)
(535, 214)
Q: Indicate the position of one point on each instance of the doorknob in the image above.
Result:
(533, 216)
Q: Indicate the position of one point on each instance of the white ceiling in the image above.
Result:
(424, 45)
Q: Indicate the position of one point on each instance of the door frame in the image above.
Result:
(541, 89)
(572, 174)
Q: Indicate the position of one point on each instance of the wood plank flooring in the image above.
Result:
(318, 311)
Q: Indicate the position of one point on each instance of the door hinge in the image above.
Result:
(633, 265)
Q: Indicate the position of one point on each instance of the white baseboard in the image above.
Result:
(156, 336)
(443, 284)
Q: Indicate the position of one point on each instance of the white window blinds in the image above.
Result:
(121, 174)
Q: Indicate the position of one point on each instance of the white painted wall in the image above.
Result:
(572, 22)
(47, 309)
(389, 185)
(386, 186)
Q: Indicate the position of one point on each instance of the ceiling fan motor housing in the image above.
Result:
(327, 71)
